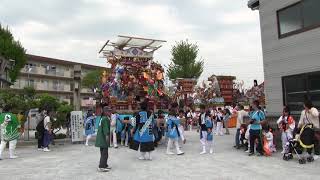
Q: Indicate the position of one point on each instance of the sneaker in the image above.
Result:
(103, 170)
(46, 150)
(142, 158)
(170, 153)
(40, 149)
(13, 157)
(247, 151)
(203, 152)
(211, 151)
(180, 153)
(315, 157)
(149, 158)
(108, 167)
(251, 154)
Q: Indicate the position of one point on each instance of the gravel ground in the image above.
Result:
(80, 162)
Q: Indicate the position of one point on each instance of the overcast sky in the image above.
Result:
(226, 31)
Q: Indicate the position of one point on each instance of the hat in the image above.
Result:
(7, 118)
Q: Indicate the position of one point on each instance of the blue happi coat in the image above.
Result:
(172, 125)
(144, 133)
(119, 124)
(89, 125)
(209, 125)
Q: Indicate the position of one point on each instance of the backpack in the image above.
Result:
(40, 125)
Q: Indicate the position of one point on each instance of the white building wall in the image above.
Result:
(295, 54)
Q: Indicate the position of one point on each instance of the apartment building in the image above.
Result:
(55, 77)
(290, 33)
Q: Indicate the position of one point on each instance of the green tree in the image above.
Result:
(92, 79)
(12, 49)
(184, 64)
(48, 102)
(14, 101)
(28, 94)
(62, 111)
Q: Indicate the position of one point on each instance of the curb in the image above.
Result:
(34, 142)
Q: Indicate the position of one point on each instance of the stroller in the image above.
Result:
(303, 140)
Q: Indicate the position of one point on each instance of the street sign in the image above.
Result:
(77, 126)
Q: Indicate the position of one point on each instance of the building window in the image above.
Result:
(299, 17)
(298, 88)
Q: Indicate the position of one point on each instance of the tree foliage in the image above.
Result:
(184, 64)
(48, 102)
(62, 111)
(92, 79)
(12, 49)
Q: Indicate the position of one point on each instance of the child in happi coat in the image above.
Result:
(142, 132)
(182, 125)
(173, 132)
(209, 125)
(89, 126)
(206, 136)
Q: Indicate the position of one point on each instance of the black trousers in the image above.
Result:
(40, 139)
(103, 158)
(316, 142)
(255, 135)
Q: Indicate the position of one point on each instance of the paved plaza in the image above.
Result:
(79, 162)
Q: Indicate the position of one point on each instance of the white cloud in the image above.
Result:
(239, 17)
(228, 34)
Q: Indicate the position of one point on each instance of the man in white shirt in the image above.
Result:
(240, 115)
(47, 132)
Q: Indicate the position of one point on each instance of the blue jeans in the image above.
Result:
(47, 138)
(238, 137)
(255, 135)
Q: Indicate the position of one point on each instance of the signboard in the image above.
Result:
(77, 126)
(132, 52)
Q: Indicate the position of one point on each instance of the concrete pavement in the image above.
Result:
(80, 162)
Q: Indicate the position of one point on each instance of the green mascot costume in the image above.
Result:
(9, 133)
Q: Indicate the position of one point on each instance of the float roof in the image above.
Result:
(129, 41)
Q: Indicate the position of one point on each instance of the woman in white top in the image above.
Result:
(310, 115)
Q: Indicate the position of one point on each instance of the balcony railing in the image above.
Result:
(44, 71)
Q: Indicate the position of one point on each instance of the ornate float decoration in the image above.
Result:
(184, 90)
(134, 73)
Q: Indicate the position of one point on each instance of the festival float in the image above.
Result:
(184, 91)
(256, 93)
(216, 91)
(135, 76)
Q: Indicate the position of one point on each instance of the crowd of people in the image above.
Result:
(145, 130)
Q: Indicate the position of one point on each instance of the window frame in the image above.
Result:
(308, 92)
(303, 29)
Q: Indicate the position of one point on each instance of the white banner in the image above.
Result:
(77, 126)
